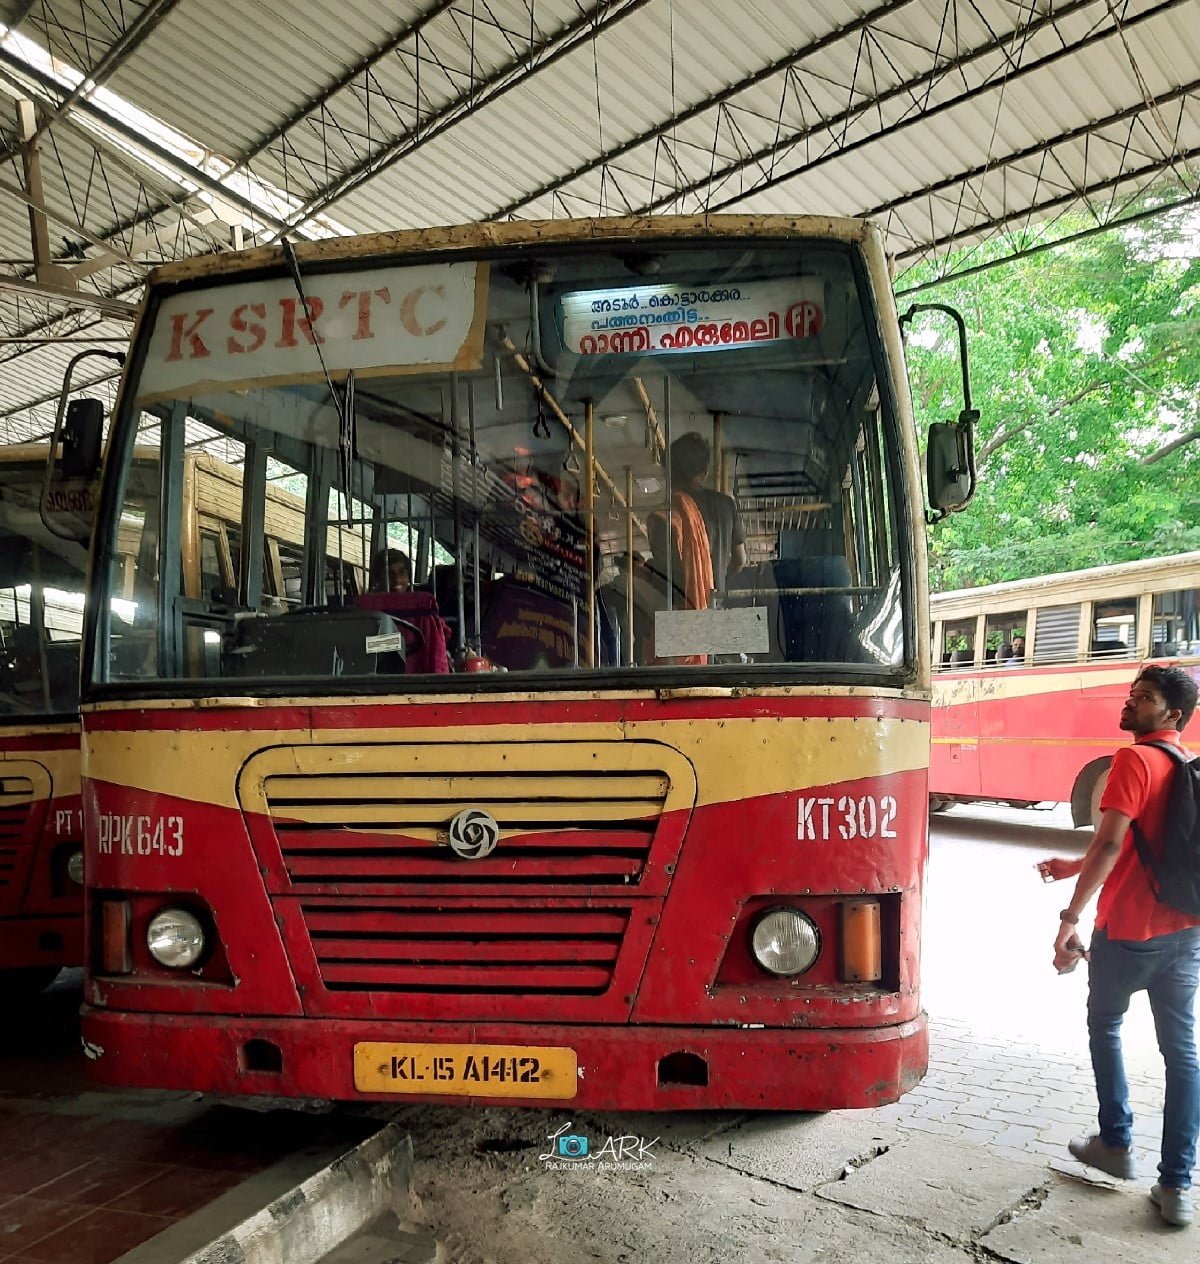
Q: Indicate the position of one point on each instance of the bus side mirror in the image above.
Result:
(950, 454)
(950, 465)
(68, 501)
(82, 436)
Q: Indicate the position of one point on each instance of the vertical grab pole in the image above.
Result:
(456, 477)
(628, 566)
(670, 496)
(718, 469)
(477, 639)
(589, 509)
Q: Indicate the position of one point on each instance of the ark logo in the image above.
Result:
(567, 1150)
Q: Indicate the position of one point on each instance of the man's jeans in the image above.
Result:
(1166, 968)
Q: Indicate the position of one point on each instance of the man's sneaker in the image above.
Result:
(1095, 1153)
(1174, 1205)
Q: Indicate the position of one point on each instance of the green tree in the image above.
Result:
(1085, 366)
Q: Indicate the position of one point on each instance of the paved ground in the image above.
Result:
(1010, 1066)
(972, 1165)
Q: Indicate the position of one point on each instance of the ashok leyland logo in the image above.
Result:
(473, 834)
(567, 1150)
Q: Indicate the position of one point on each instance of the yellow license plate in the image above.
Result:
(465, 1070)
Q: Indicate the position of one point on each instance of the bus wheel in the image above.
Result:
(938, 805)
(1086, 793)
(24, 985)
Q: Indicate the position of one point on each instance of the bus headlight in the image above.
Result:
(784, 941)
(75, 867)
(175, 938)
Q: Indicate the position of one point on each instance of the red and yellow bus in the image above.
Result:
(573, 809)
(41, 822)
(1038, 724)
(43, 564)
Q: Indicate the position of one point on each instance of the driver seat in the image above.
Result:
(419, 608)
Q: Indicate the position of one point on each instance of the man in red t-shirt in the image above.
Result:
(1139, 945)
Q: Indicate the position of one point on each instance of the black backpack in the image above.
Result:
(1175, 876)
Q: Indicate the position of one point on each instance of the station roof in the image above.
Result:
(168, 128)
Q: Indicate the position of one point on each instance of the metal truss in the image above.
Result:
(456, 59)
(122, 216)
(704, 157)
(780, 70)
(1113, 171)
(118, 201)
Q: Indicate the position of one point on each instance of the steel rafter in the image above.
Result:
(103, 59)
(1156, 205)
(365, 127)
(34, 80)
(994, 83)
(1119, 133)
(876, 101)
(726, 96)
(1147, 177)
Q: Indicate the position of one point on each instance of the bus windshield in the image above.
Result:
(41, 598)
(676, 456)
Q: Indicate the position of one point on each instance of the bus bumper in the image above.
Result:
(32, 942)
(619, 1068)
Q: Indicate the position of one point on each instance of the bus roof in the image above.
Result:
(514, 233)
(16, 453)
(1097, 581)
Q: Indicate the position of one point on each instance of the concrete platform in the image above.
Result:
(95, 1176)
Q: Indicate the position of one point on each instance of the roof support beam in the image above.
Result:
(63, 293)
(143, 25)
(540, 52)
(43, 265)
(409, 31)
(834, 127)
(182, 171)
(617, 152)
(1146, 173)
(1121, 221)
(959, 181)
(37, 207)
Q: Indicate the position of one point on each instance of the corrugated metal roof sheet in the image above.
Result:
(951, 120)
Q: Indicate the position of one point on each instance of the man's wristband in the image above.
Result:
(1071, 919)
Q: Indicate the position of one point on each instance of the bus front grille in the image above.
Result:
(9, 857)
(20, 817)
(16, 807)
(466, 950)
(377, 822)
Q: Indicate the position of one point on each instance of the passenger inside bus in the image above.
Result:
(391, 571)
(691, 461)
(426, 633)
(1016, 657)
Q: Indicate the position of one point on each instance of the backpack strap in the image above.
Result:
(1139, 839)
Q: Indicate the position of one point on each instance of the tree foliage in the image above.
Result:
(1085, 366)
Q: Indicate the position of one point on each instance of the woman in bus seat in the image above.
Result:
(392, 593)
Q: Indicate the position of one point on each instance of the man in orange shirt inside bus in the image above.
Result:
(1139, 945)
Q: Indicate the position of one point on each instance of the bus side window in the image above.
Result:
(958, 645)
(1176, 624)
(212, 573)
(1114, 628)
(1004, 639)
(1056, 635)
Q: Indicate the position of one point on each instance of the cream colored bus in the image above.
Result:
(1029, 677)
